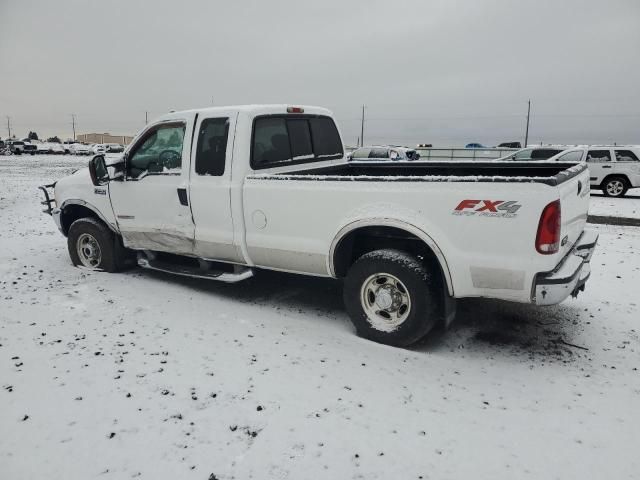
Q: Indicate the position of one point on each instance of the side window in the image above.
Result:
(543, 153)
(212, 146)
(379, 153)
(361, 153)
(598, 156)
(294, 139)
(626, 156)
(523, 154)
(158, 152)
(573, 156)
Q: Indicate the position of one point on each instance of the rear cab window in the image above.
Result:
(280, 140)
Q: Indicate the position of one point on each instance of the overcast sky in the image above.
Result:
(442, 72)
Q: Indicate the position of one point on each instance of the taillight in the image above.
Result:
(548, 236)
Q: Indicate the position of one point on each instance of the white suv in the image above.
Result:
(612, 169)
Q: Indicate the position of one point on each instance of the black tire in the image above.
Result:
(424, 291)
(611, 186)
(113, 257)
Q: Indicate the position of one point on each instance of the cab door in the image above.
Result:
(151, 203)
(600, 165)
(210, 192)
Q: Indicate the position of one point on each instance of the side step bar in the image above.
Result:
(239, 273)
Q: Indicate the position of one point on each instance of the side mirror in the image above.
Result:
(98, 170)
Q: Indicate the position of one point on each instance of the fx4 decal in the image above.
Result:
(487, 208)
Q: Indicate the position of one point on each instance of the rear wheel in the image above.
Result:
(392, 298)
(615, 187)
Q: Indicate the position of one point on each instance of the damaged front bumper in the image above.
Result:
(570, 276)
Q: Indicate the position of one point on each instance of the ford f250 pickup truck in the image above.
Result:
(217, 193)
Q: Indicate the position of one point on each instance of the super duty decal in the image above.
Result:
(487, 208)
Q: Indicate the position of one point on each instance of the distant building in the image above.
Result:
(104, 138)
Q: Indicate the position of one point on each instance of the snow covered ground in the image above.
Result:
(627, 206)
(145, 375)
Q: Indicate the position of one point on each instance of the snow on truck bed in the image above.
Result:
(144, 375)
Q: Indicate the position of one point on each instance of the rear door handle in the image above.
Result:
(606, 166)
(182, 196)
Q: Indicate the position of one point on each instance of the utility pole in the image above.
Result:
(146, 117)
(362, 128)
(526, 135)
(9, 125)
(73, 123)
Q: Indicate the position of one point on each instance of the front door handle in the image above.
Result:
(182, 196)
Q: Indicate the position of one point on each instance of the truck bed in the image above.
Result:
(539, 172)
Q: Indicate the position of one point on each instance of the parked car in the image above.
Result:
(114, 148)
(67, 146)
(56, 148)
(80, 149)
(510, 145)
(474, 145)
(98, 148)
(16, 147)
(217, 193)
(612, 169)
(42, 147)
(534, 153)
(30, 148)
(387, 152)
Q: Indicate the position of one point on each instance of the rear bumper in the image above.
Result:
(570, 276)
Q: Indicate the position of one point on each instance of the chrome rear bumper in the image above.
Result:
(571, 274)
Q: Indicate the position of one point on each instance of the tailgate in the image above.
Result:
(574, 201)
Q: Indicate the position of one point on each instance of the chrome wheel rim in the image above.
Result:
(386, 301)
(89, 251)
(615, 187)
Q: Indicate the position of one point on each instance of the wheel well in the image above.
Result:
(71, 213)
(615, 175)
(367, 239)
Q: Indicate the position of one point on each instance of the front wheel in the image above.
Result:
(615, 187)
(392, 298)
(92, 245)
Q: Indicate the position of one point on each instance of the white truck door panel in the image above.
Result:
(151, 204)
(210, 192)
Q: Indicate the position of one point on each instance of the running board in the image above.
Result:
(240, 273)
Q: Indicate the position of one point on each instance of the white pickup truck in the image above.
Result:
(216, 193)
